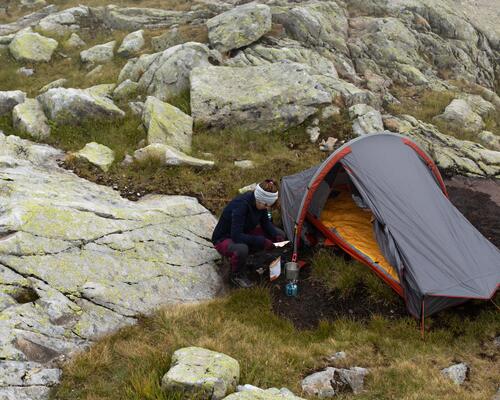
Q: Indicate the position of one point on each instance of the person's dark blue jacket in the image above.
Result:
(239, 218)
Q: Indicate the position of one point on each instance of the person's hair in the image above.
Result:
(269, 185)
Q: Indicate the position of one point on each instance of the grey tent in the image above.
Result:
(382, 200)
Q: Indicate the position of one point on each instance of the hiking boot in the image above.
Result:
(241, 280)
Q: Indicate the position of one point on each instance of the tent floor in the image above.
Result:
(354, 226)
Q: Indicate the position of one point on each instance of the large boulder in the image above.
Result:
(166, 74)
(460, 116)
(88, 260)
(258, 99)
(73, 106)
(99, 54)
(239, 27)
(32, 47)
(63, 22)
(29, 117)
(9, 99)
(365, 120)
(201, 373)
(167, 124)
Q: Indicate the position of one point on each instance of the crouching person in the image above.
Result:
(245, 227)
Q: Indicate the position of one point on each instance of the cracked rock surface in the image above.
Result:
(78, 261)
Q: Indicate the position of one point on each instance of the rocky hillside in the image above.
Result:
(199, 89)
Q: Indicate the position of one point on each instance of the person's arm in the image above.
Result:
(268, 227)
(238, 217)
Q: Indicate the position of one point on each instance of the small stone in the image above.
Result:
(97, 154)
(328, 144)
(244, 164)
(9, 99)
(340, 355)
(100, 54)
(55, 84)
(169, 156)
(74, 41)
(201, 371)
(127, 160)
(137, 107)
(319, 384)
(29, 117)
(457, 373)
(132, 43)
(26, 71)
(313, 132)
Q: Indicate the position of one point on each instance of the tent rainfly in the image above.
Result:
(381, 199)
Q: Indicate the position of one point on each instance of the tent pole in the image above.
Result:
(422, 322)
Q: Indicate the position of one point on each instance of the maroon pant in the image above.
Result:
(238, 252)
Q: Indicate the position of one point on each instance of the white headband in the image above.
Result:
(267, 198)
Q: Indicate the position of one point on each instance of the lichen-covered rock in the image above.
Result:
(257, 99)
(125, 90)
(166, 75)
(201, 372)
(167, 155)
(131, 44)
(29, 117)
(167, 124)
(479, 105)
(489, 139)
(460, 156)
(332, 381)
(74, 42)
(97, 154)
(10, 99)
(32, 47)
(456, 373)
(366, 120)
(239, 26)
(27, 20)
(460, 116)
(100, 54)
(54, 84)
(319, 384)
(89, 260)
(63, 22)
(73, 106)
(249, 392)
(102, 90)
(168, 39)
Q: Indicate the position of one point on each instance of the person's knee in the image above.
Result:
(240, 249)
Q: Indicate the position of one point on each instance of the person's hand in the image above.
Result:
(278, 239)
(268, 245)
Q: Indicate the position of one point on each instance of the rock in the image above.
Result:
(248, 188)
(127, 160)
(94, 73)
(167, 124)
(26, 71)
(366, 120)
(94, 259)
(132, 44)
(74, 42)
(9, 99)
(244, 164)
(29, 4)
(459, 156)
(257, 99)
(97, 154)
(137, 107)
(319, 384)
(166, 75)
(125, 90)
(329, 112)
(239, 27)
(5, 40)
(133, 18)
(169, 156)
(199, 371)
(100, 54)
(64, 22)
(27, 20)
(102, 90)
(340, 355)
(489, 139)
(249, 392)
(332, 381)
(479, 105)
(32, 47)
(29, 117)
(166, 40)
(328, 144)
(72, 106)
(459, 115)
(457, 373)
(55, 84)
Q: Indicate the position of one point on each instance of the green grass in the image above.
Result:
(130, 363)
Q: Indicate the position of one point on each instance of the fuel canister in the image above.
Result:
(291, 289)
